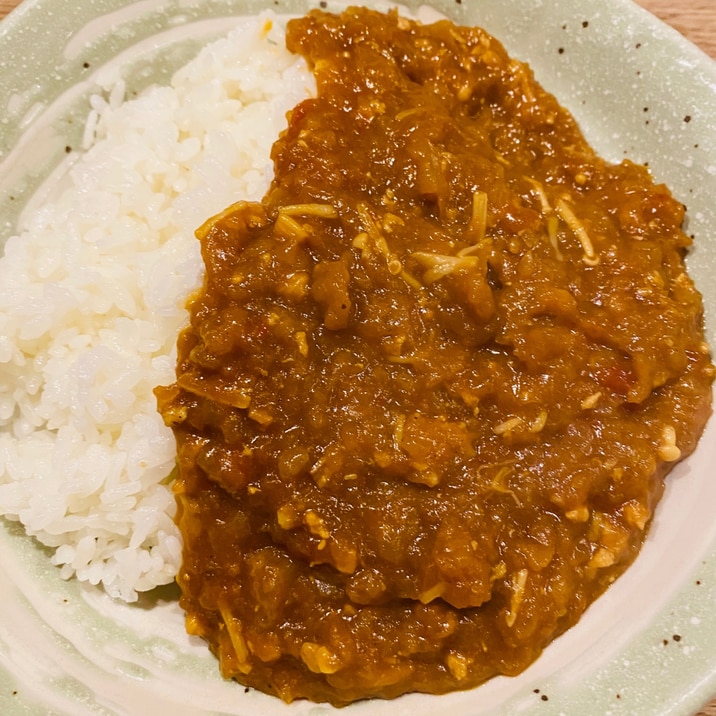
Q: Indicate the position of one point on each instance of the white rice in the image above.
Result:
(92, 297)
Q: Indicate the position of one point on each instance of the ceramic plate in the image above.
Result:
(648, 646)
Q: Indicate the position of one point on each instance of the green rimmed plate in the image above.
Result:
(649, 645)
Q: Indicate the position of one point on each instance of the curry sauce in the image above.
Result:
(433, 381)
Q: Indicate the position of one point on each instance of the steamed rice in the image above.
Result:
(92, 297)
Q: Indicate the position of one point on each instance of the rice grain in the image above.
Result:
(92, 297)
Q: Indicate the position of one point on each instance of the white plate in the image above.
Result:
(648, 646)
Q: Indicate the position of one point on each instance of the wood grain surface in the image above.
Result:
(695, 19)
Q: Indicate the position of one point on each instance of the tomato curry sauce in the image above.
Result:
(433, 381)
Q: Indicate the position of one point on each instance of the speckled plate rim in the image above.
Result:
(649, 645)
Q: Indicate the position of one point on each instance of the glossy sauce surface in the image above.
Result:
(433, 382)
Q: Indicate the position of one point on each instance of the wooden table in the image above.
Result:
(696, 19)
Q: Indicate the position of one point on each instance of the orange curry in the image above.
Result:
(433, 381)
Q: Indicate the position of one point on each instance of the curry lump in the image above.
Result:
(433, 381)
